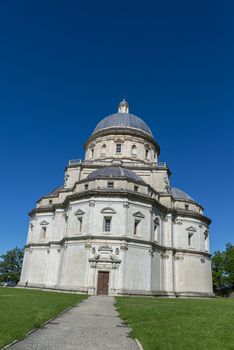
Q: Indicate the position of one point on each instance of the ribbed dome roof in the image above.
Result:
(114, 172)
(123, 119)
(179, 194)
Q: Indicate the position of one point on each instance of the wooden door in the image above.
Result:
(103, 283)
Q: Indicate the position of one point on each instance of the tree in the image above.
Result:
(229, 264)
(223, 267)
(11, 264)
(217, 264)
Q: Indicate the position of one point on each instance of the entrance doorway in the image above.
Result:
(103, 283)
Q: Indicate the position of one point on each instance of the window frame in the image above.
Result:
(43, 232)
(107, 219)
(80, 219)
(118, 148)
(110, 184)
(136, 227)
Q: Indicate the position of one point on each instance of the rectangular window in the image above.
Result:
(43, 232)
(80, 223)
(86, 186)
(136, 226)
(118, 148)
(107, 224)
(190, 235)
(146, 153)
(136, 188)
(186, 207)
(110, 184)
(206, 240)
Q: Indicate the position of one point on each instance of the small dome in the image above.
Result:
(114, 172)
(179, 194)
(123, 119)
(55, 191)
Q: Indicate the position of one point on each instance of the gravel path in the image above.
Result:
(92, 325)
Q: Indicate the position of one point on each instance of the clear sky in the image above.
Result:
(64, 65)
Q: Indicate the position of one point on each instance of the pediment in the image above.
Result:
(139, 214)
(79, 212)
(108, 210)
(191, 229)
(44, 223)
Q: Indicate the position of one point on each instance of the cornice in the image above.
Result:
(123, 131)
(99, 193)
(191, 214)
(122, 239)
(141, 166)
(132, 195)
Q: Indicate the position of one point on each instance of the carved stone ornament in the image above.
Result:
(125, 205)
(79, 212)
(88, 245)
(179, 256)
(166, 183)
(124, 246)
(31, 226)
(108, 210)
(191, 229)
(42, 223)
(151, 251)
(178, 222)
(105, 248)
(164, 255)
(92, 203)
(139, 214)
(104, 262)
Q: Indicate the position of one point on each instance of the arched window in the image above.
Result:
(134, 150)
(146, 153)
(103, 150)
(206, 234)
(92, 153)
(44, 225)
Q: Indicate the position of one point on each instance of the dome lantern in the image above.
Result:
(123, 107)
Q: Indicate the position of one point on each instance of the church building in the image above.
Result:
(116, 226)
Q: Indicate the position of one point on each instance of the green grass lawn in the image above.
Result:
(190, 324)
(22, 310)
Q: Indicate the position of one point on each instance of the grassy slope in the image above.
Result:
(180, 323)
(22, 310)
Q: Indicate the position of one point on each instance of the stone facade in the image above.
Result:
(117, 213)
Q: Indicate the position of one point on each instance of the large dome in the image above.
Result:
(114, 172)
(123, 119)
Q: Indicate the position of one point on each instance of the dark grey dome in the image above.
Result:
(114, 172)
(179, 194)
(55, 191)
(123, 120)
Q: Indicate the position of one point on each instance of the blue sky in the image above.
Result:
(64, 65)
